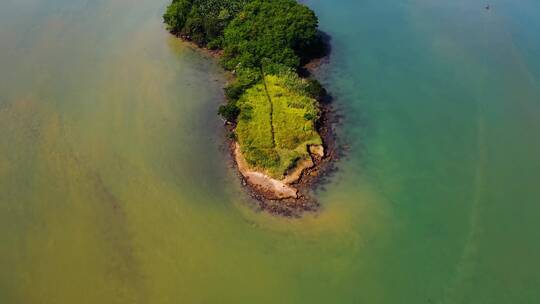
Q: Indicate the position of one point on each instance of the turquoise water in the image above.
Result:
(115, 186)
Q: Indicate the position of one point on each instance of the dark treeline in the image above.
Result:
(257, 37)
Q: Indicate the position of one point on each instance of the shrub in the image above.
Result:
(229, 111)
(315, 89)
(245, 79)
(309, 116)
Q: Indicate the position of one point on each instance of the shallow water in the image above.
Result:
(115, 186)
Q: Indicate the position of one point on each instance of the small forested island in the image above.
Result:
(275, 116)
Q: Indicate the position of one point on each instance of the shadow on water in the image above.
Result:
(334, 117)
(317, 54)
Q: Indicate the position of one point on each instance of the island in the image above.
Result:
(273, 106)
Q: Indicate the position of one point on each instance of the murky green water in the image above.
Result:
(115, 188)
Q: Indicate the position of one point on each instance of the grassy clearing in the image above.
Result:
(277, 123)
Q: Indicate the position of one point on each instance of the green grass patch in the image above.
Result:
(277, 123)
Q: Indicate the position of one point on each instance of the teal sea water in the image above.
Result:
(115, 186)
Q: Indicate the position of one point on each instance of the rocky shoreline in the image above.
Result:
(290, 196)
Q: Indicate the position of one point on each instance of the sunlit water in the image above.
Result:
(115, 186)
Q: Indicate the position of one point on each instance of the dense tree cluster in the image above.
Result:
(202, 21)
(279, 31)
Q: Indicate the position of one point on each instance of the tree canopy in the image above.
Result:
(202, 21)
(280, 31)
(249, 31)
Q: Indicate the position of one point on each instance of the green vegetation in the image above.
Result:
(279, 31)
(264, 42)
(277, 123)
(202, 21)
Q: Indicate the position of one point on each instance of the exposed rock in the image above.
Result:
(317, 150)
(269, 187)
(295, 173)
